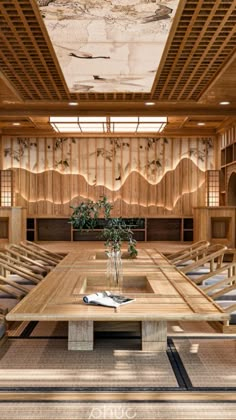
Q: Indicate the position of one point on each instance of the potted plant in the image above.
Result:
(115, 232)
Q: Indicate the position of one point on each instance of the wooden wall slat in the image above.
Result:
(143, 177)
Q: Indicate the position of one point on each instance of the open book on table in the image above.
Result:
(107, 299)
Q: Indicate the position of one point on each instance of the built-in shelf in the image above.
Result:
(149, 229)
(228, 155)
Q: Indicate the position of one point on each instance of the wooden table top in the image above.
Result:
(161, 291)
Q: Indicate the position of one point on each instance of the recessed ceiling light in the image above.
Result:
(16, 123)
(8, 102)
(73, 103)
(224, 103)
(149, 103)
(201, 123)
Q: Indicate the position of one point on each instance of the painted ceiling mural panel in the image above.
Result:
(108, 45)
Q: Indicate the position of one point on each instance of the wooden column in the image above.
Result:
(154, 335)
(80, 335)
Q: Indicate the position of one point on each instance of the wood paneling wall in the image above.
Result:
(143, 177)
(228, 136)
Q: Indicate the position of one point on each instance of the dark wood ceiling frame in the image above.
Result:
(26, 59)
(51, 50)
(204, 41)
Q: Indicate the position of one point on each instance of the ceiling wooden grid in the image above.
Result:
(204, 40)
(197, 71)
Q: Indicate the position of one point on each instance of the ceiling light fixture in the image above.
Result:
(73, 103)
(201, 123)
(16, 123)
(108, 125)
(224, 103)
(149, 103)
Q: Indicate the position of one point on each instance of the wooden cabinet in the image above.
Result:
(187, 229)
(30, 229)
(12, 224)
(53, 230)
(215, 224)
(164, 229)
(4, 227)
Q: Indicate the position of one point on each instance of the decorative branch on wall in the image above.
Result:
(62, 164)
(157, 174)
(16, 153)
(119, 156)
(59, 142)
(207, 145)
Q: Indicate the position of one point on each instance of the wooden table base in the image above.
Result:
(81, 335)
(154, 335)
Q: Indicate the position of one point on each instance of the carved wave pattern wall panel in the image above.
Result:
(143, 177)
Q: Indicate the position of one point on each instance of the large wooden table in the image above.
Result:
(161, 291)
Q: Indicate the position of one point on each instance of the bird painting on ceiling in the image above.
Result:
(85, 56)
(123, 80)
(163, 12)
(44, 3)
(104, 82)
(77, 53)
(78, 87)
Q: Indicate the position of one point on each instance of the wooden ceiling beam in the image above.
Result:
(116, 108)
(227, 123)
(32, 132)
